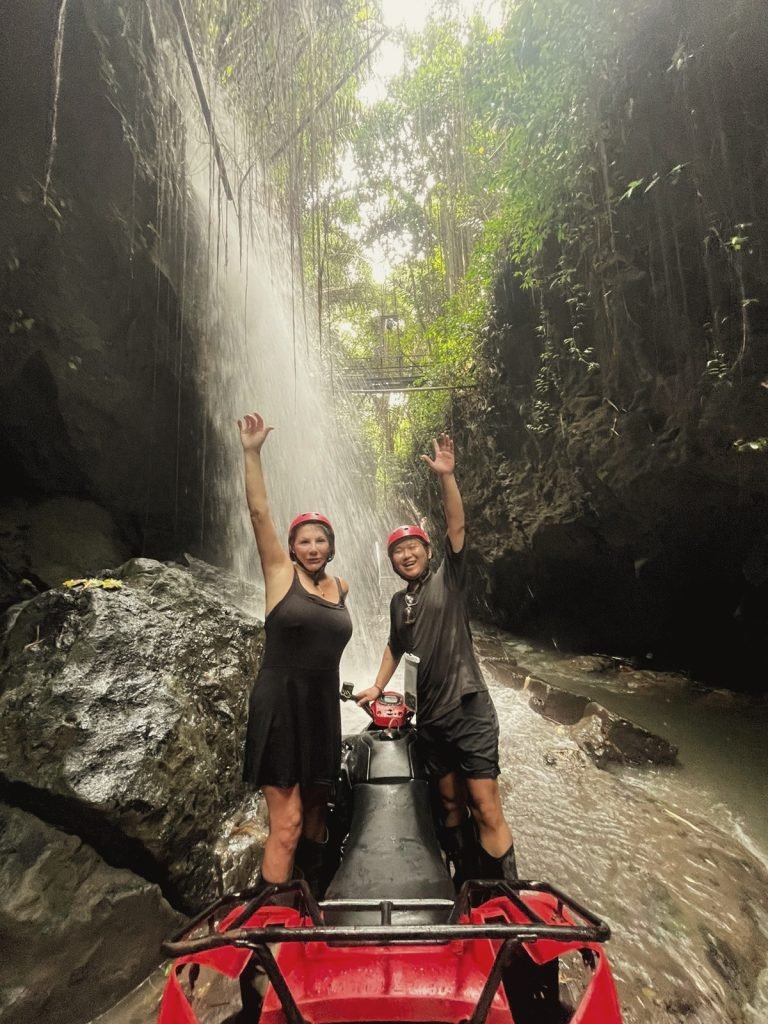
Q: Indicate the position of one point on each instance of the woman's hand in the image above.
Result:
(253, 433)
(443, 463)
(366, 696)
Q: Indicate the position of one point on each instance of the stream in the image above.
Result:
(674, 857)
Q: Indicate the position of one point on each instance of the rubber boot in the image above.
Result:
(262, 883)
(460, 845)
(309, 859)
(504, 867)
(259, 886)
(252, 980)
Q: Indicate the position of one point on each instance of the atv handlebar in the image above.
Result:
(348, 694)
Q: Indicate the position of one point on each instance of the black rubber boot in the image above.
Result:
(461, 845)
(309, 859)
(258, 886)
(504, 867)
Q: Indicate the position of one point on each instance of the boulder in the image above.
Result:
(610, 739)
(45, 542)
(604, 736)
(122, 719)
(77, 933)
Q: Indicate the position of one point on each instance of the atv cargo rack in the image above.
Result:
(575, 924)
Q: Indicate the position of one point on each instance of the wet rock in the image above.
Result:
(565, 758)
(646, 679)
(122, 718)
(556, 704)
(605, 737)
(592, 663)
(232, 589)
(610, 739)
(77, 934)
(46, 542)
(94, 398)
(508, 672)
(723, 958)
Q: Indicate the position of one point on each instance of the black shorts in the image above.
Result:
(465, 740)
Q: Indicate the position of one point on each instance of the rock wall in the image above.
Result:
(122, 709)
(76, 931)
(99, 389)
(615, 455)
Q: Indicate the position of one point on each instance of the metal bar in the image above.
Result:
(595, 930)
(567, 901)
(492, 982)
(263, 955)
(210, 910)
(382, 935)
(487, 888)
(404, 904)
(376, 934)
(293, 888)
(514, 898)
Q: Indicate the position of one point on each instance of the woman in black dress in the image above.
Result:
(293, 742)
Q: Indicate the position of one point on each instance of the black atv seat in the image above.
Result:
(391, 852)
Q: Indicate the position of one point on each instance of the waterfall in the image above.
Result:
(260, 353)
(58, 50)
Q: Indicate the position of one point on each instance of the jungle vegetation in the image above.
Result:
(494, 149)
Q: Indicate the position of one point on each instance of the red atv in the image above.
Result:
(392, 940)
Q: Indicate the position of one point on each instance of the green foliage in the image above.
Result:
(290, 74)
(482, 151)
(491, 149)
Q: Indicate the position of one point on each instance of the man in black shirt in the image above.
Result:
(458, 729)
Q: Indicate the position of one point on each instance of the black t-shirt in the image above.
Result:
(440, 637)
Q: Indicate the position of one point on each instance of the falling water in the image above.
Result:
(58, 50)
(261, 355)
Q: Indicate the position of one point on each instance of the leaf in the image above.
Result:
(632, 187)
(91, 583)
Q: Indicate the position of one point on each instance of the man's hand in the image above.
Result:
(366, 696)
(443, 463)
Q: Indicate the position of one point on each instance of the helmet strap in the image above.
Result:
(415, 585)
(315, 576)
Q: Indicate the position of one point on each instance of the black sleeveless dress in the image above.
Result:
(294, 723)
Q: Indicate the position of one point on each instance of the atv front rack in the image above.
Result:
(472, 893)
(576, 925)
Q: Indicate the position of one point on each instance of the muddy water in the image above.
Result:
(673, 858)
(721, 735)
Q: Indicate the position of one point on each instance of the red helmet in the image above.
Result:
(312, 517)
(406, 531)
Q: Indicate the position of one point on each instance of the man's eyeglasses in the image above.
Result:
(410, 609)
